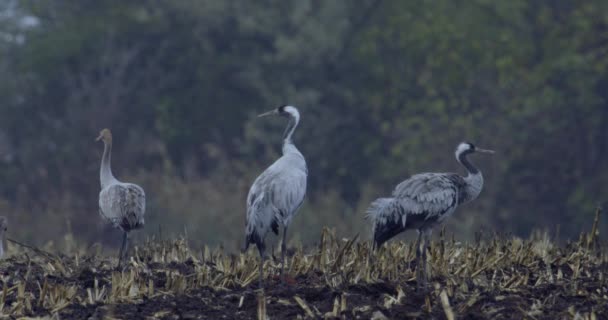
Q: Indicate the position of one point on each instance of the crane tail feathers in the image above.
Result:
(275, 226)
(388, 219)
(378, 207)
(387, 230)
(256, 239)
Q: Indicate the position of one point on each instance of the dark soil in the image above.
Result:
(468, 299)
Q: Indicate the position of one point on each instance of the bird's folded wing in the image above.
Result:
(430, 194)
(123, 201)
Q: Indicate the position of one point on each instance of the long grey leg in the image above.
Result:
(262, 253)
(125, 251)
(122, 248)
(418, 251)
(427, 249)
(419, 263)
(283, 249)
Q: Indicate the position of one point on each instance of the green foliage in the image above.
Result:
(386, 89)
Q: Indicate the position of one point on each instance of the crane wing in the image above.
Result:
(429, 194)
(287, 193)
(274, 197)
(123, 205)
(416, 201)
(282, 192)
(388, 219)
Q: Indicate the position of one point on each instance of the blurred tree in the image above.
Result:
(386, 89)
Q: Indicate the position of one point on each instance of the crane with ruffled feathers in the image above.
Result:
(277, 194)
(120, 203)
(424, 201)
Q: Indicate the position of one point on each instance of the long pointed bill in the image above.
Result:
(269, 113)
(484, 151)
(99, 138)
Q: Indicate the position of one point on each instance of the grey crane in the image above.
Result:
(121, 204)
(424, 201)
(277, 193)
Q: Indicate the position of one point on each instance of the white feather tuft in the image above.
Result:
(293, 111)
(462, 147)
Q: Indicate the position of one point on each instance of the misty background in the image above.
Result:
(385, 88)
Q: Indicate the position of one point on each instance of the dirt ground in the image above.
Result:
(498, 279)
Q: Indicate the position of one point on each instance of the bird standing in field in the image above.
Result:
(120, 203)
(276, 195)
(3, 229)
(424, 201)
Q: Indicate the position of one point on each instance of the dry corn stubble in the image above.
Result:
(495, 277)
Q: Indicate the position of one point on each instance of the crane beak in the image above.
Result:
(99, 138)
(269, 113)
(484, 151)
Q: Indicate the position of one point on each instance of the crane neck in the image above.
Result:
(291, 127)
(105, 173)
(474, 178)
(462, 158)
(474, 184)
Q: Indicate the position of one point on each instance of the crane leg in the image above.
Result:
(283, 249)
(427, 249)
(125, 252)
(419, 263)
(122, 248)
(261, 267)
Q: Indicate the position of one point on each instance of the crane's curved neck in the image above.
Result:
(288, 145)
(105, 173)
(474, 179)
(471, 169)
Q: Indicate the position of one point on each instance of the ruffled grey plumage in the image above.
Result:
(424, 200)
(420, 201)
(121, 204)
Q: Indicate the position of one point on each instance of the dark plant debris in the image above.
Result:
(493, 278)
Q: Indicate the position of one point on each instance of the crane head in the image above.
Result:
(467, 147)
(286, 111)
(105, 135)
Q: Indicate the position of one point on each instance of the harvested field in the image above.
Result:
(492, 278)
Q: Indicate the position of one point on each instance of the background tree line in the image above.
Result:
(386, 89)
